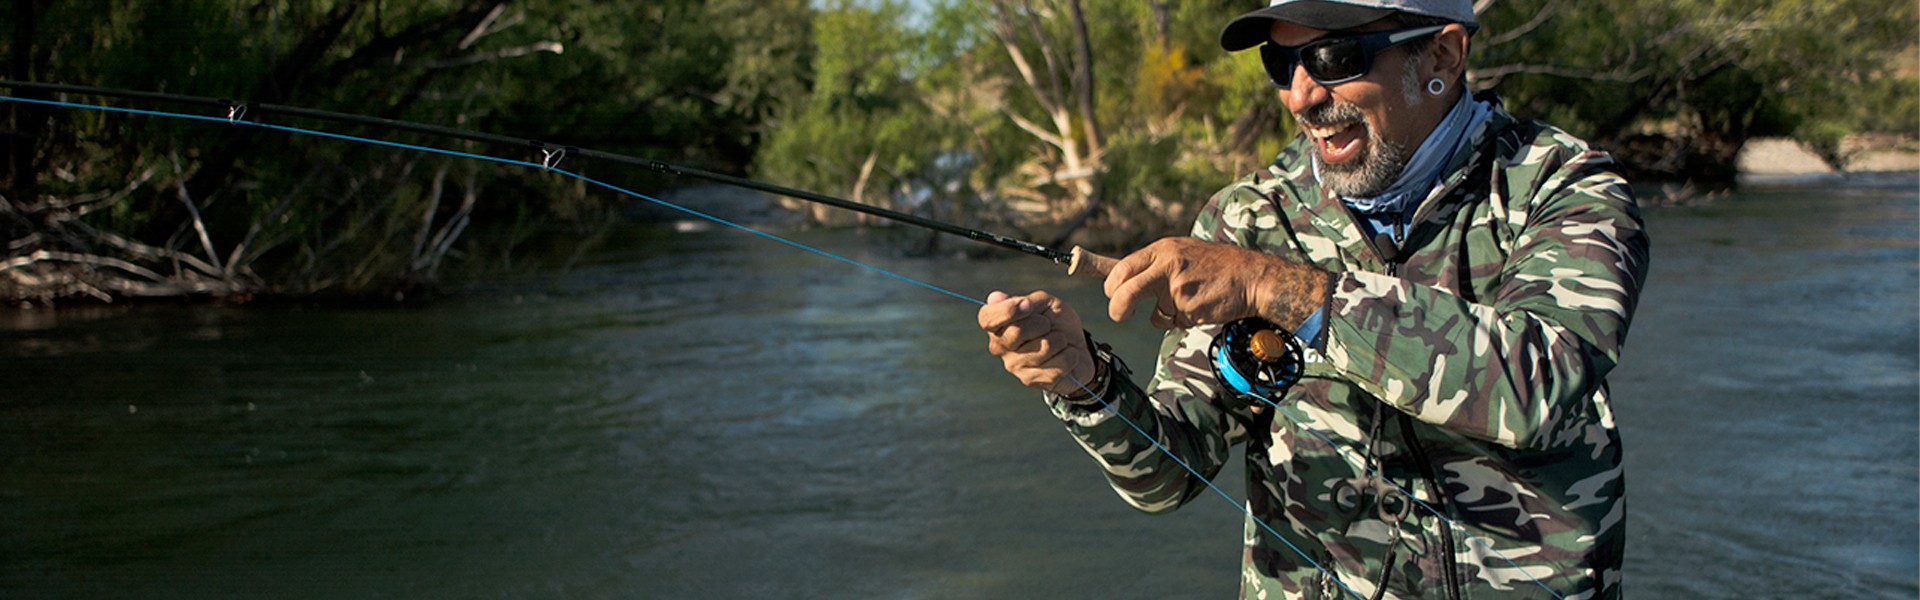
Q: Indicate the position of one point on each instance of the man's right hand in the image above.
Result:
(1039, 340)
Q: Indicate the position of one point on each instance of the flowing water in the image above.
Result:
(707, 414)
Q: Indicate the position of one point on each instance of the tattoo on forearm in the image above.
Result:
(1299, 290)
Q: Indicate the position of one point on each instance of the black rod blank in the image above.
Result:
(241, 109)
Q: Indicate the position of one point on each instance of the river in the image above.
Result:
(703, 413)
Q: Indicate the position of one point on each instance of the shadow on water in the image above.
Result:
(706, 414)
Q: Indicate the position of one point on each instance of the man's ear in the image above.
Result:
(1448, 53)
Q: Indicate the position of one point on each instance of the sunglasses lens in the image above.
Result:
(1279, 63)
(1334, 60)
(1327, 61)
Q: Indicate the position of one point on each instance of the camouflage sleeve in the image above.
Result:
(1148, 434)
(1520, 368)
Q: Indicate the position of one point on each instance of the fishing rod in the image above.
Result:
(1079, 261)
(1254, 358)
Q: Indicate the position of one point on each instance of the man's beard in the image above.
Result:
(1378, 165)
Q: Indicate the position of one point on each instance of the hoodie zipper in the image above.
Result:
(1393, 255)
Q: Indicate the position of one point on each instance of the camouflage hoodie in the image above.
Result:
(1471, 375)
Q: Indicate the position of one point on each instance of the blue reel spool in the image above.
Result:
(1256, 358)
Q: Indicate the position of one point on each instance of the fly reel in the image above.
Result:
(1256, 358)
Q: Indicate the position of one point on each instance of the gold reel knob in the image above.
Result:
(1267, 346)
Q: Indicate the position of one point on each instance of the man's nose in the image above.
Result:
(1304, 93)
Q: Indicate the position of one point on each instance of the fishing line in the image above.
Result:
(1246, 509)
(548, 164)
(236, 117)
(239, 111)
(1259, 360)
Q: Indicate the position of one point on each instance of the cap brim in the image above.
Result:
(1252, 29)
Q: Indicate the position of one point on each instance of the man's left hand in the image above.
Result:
(1194, 282)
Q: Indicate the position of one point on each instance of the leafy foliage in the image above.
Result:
(241, 211)
(1675, 86)
(984, 112)
(1707, 73)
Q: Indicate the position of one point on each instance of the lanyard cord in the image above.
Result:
(1300, 423)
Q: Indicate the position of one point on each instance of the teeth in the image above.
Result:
(1325, 132)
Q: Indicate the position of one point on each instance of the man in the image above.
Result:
(1461, 282)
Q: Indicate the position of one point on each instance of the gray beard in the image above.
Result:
(1373, 171)
(1382, 161)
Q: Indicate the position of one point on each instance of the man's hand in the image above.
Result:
(1039, 340)
(1207, 283)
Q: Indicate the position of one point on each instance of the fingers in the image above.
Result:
(1146, 272)
(1002, 310)
(1124, 270)
(1128, 288)
(1056, 362)
(1165, 316)
(1038, 339)
(1013, 323)
(1045, 353)
(1192, 282)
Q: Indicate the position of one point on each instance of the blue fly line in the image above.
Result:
(550, 163)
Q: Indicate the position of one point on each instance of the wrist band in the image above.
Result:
(1102, 374)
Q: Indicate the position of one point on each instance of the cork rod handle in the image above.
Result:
(1087, 264)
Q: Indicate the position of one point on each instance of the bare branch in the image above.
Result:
(1004, 31)
(140, 250)
(501, 54)
(443, 243)
(1539, 18)
(434, 193)
(866, 173)
(1037, 131)
(485, 26)
(1055, 96)
(1083, 84)
(199, 225)
(244, 253)
(92, 202)
(75, 257)
(1062, 176)
(1488, 78)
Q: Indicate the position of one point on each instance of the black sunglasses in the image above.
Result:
(1334, 60)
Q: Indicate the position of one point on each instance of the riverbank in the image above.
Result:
(1772, 162)
(1866, 154)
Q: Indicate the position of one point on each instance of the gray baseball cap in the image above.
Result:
(1249, 30)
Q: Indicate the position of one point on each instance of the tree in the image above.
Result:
(1061, 138)
(1678, 86)
(145, 206)
(861, 129)
(1061, 85)
(1010, 92)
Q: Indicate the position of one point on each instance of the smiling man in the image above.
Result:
(1459, 282)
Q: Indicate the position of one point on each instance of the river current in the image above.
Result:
(696, 413)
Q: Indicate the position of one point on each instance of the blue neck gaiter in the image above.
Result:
(1383, 210)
